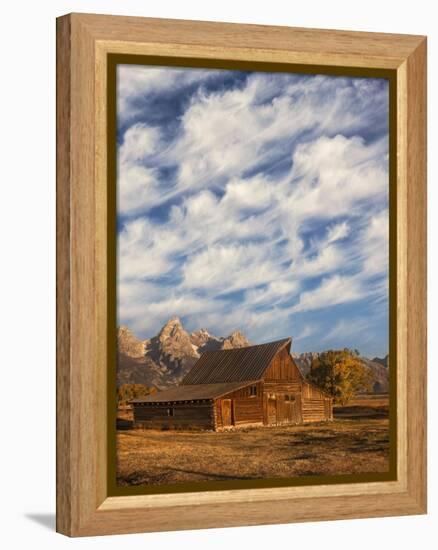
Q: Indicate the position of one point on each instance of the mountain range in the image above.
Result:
(164, 359)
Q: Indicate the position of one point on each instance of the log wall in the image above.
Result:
(247, 409)
(305, 403)
(314, 410)
(317, 406)
(175, 416)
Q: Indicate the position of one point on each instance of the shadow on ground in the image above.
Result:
(46, 520)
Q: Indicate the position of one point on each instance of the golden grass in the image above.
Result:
(344, 446)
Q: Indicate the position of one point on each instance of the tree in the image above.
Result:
(340, 373)
(126, 392)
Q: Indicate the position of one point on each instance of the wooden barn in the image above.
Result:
(251, 386)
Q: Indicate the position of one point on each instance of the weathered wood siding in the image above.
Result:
(317, 406)
(282, 391)
(282, 402)
(173, 416)
(289, 409)
(246, 408)
(288, 398)
(282, 387)
(282, 408)
(282, 367)
(312, 392)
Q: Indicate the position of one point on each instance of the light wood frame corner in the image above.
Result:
(83, 44)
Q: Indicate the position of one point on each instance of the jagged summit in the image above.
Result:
(204, 341)
(174, 321)
(173, 341)
(129, 344)
(171, 328)
(202, 334)
(164, 359)
(235, 340)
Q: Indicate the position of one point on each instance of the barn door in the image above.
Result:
(227, 412)
(272, 411)
(296, 415)
(292, 408)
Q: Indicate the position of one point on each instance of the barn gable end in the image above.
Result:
(282, 367)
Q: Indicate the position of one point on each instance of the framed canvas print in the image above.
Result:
(241, 230)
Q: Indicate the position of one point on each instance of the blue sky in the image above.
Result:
(254, 201)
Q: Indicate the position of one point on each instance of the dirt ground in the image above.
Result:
(357, 441)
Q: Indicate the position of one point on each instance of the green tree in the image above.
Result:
(341, 374)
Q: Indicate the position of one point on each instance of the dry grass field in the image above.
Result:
(355, 442)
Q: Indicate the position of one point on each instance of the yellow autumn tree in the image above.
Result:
(126, 392)
(340, 373)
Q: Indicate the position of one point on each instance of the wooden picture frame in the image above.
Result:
(83, 45)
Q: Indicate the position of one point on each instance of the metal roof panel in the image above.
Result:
(234, 365)
(192, 392)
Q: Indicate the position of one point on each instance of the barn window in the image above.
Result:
(170, 411)
(252, 391)
(290, 398)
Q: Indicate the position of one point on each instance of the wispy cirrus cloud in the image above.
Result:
(259, 200)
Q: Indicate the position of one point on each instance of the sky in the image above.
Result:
(254, 201)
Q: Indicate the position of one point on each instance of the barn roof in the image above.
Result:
(192, 392)
(234, 365)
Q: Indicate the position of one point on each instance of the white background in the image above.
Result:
(27, 286)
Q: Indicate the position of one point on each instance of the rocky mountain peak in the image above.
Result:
(128, 343)
(174, 339)
(202, 333)
(235, 340)
(172, 326)
(172, 351)
(202, 337)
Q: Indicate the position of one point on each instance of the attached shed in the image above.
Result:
(256, 385)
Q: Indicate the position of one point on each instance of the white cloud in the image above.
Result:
(136, 82)
(251, 193)
(306, 331)
(333, 176)
(274, 293)
(337, 232)
(139, 142)
(374, 244)
(141, 252)
(138, 185)
(328, 259)
(273, 234)
(227, 132)
(230, 268)
(346, 328)
(332, 291)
